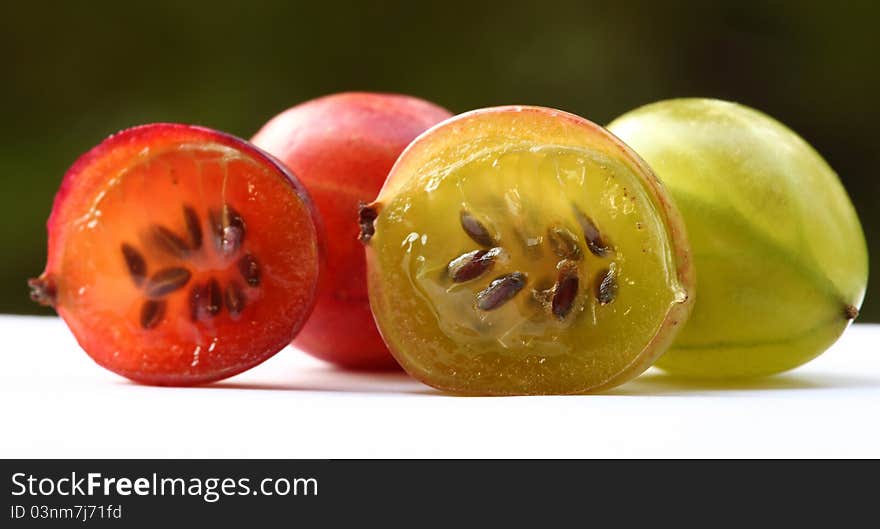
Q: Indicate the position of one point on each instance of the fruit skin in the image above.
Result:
(110, 344)
(519, 123)
(341, 147)
(779, 253)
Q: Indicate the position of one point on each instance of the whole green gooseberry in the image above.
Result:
(779, 254)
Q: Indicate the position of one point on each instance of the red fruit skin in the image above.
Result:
(82, 180)
(342, 147)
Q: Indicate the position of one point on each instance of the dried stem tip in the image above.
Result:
(851, 312)
(43, 291)
(367, 214)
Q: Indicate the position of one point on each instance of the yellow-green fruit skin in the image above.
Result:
(779, 254)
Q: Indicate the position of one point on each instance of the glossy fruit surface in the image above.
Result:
(524, 250)
(180, 255)
(779, 253)
(341, 147)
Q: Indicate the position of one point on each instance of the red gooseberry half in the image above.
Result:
(180, 255)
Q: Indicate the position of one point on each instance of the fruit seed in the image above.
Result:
(606, 286)
(476, 230)
(249, 269)
(228, 228)
(136, 264)
(595, 242)
(564, 243)
(215, 297)
(193, 227)
(500, 291)
(565, 291)
(169, 242)
(152, 312)
(234, 299)
(167, 280)
(472, 265)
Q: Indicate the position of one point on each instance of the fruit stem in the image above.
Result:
(43, 291)
(367, 214)
(851, 312)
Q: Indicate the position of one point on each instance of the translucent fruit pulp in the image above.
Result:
(525, 198)
(523, 268)
(165, 272)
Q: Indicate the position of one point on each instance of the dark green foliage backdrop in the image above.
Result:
(75, 72)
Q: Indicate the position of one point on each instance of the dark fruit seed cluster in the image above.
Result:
(559, 298)
(206, 299)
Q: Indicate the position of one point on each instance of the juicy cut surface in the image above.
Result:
(543, 267)
(189, 258)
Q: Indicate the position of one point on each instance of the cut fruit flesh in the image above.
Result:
(180, 255)
(521, 250)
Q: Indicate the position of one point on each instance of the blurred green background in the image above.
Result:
(74, 72)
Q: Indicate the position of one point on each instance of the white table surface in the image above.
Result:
(55, 402)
